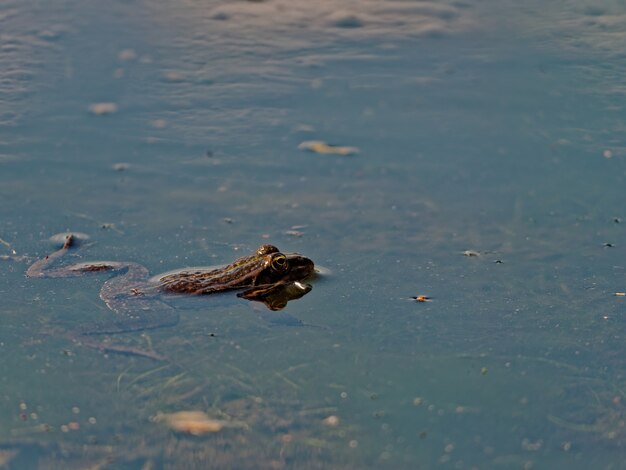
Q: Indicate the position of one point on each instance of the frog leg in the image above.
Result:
(124, 294)
(44, 267)
(134, 310)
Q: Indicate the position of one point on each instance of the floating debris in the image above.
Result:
(331, 421)
(345, 19)
(471, 253)
(109, 226)
(220, 16)
(421, 298)
(173, 76)
(103, 225)
(39, 428)
(100, 109)
(8, 245)
(531, 446)
(304, 128)
(294, 233)
(317, 146)
(194, 422)
(6, 455)
(121, 166)
(73, 426)
(127, 54)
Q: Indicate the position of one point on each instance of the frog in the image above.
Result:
(267, 275)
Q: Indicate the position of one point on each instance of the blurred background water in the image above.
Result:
(168, 131)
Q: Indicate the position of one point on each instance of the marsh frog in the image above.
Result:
(267, 276)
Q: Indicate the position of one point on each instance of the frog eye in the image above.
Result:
(279, 262)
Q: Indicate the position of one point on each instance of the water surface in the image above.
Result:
(482, 126)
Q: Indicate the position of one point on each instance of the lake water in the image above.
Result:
(168, 131)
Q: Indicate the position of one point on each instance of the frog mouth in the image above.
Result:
(301, 267)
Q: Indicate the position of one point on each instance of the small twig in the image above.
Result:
(8, 245)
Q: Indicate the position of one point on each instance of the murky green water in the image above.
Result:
(482, 126)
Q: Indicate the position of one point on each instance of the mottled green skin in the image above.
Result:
(267, 266)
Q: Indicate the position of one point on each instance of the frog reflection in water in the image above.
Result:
(267, 276)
